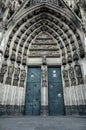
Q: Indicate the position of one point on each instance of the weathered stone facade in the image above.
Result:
(52, 29)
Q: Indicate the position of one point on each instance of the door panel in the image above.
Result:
(33, 91)
(55, 91)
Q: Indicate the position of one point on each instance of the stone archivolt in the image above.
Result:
(44, 19)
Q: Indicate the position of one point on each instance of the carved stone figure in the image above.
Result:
(79, 73)
(19, 57)
(13, 56)
(64, 60)
(10, 73)
(24, 60)
(3, 71)
(75, 55)
(65, 77)
(63, 51)
(11, 69)
(82, 52)
(6, 52)
(68, 48)
(3, 68)
(2, 9)
(69, 58)
(22, 78)
(16, 76)
(72, 76)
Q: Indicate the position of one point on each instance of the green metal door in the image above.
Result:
(33, 97)
(55, 91)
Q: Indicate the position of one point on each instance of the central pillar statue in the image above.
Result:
(44, 88)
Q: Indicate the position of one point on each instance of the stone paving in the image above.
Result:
(43, 123)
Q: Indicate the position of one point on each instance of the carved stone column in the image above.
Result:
(44, 89)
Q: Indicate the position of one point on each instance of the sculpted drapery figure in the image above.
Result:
(72, 76)
(65, 77)
(78, 73)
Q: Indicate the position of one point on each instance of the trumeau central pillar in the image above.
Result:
(44, 88)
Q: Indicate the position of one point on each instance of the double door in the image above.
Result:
(55, 91)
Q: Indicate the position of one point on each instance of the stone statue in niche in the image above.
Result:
(68, 48)
(22, 78)
(16, 76)
(19, 57)
(73, 47)
(13, 56)
(10, 70)
(78, 73)
(2, 8)
(65, 77)
(75, 55)
(82, 52)
(64, 60)
(3, 68)
(20, 49)
(63, 51)
(10, 73)
(15, 46)
(72, 75)
(6, 52)
(3, 71)
(24, 60)
(69, 58)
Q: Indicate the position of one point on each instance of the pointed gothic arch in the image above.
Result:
(23, 28)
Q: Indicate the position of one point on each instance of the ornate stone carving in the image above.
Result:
(63, 51)
(14, 47)
(82, 52)
(13, 56)
(44, 76)
(14, 6)
(20, 49)
(19, 57)
(47, 53)
(16, 76)
(64, 60)
(68, 48)
(2, 8)
(73, 47)
(72, 76)
(35, 2)
(10, 73)
(22, 78)
(7, 52)
(69, 58)
(65, 77)
(75, 55)
(78, 73)
(3, 71)
(24, 60)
